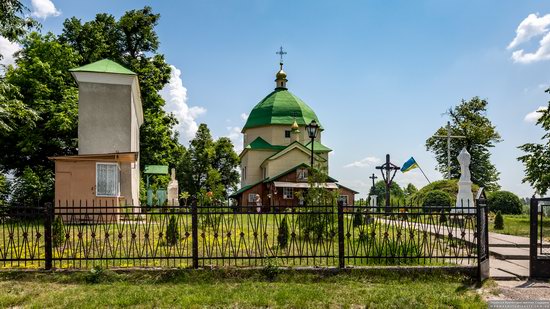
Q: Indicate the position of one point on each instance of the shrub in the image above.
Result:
(442, 217)
(449, 186)
(499, 221)
(437, 200)
(172, 234)
(357, 218)
(282, 237)
(506, 202)
(58, 232)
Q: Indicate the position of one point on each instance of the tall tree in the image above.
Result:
(208, 165)
(469, 119)
(13, 23)
(537, 157)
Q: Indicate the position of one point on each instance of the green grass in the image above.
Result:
(242, 289)
(519, 225)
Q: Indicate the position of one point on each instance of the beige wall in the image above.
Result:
(286, 162)
(252, 160)
(275, 135)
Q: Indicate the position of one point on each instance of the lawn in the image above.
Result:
(242, 289)
(519, 225)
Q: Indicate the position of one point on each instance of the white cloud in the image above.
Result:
(531, 27)
(244, 116)
(7, 49)
(533, 116)
(365, 162)
(44, 8)
(175, 95)
(234, 134)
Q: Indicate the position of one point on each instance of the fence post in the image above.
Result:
(195, 235)
(48, 216)
(341, 261)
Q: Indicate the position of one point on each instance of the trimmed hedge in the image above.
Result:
(506, 202)
(437, 200)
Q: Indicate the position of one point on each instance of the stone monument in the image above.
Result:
(465, 197)
(173, 190)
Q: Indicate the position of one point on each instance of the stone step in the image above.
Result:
(509, 253)
(497, 274)
(516, 268)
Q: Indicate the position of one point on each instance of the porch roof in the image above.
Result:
(117, 157)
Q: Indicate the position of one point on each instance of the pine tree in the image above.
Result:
(357, 218)
(282, 237)
(172, 234)
(58, 232)
(499, 221)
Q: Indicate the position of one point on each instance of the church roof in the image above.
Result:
(104, 66)
(318, 147)
(280, 107)
(261, 144)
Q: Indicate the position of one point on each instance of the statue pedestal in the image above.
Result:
(464, 198)
(173, 191)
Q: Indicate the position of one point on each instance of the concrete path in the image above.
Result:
(509, 257)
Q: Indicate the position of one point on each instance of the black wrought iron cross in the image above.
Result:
(373, 177)
(281, 53)
(386, 170)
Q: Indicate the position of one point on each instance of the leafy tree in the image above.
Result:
(32, 187)
(469, 119)
(379, 190)
(209, 165)
(505, 202)
(499, 221)
(46, 87)
(537, 158)
(410, 190)
(13, 23)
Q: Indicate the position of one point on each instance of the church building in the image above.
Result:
(277, 151)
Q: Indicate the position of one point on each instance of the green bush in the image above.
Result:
(506, 202)
(172, 234)
(58, 232)
(437, 200)
(448, 186)
(499, 221)
(357, 218)
(282, 237)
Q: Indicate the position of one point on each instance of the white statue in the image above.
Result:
(173, 190)
(465, 197)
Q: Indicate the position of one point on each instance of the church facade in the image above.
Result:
(276, 154)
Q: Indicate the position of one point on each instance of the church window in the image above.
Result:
(251, 197)
(244, 173)
(107, 179)
(288, 193)
(287, 133)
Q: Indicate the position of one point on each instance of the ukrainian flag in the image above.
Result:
(409, 165)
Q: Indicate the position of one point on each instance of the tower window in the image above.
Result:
(287, 133)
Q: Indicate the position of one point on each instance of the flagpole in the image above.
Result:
(423, 172)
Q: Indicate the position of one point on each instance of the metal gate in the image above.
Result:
(483, 237)
(539, 253)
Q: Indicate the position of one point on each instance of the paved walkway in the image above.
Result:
(509, 257)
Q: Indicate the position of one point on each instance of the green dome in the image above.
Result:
(280, 107)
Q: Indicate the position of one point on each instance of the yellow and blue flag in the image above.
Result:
(409, 165)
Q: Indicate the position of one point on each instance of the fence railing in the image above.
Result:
(83, 236)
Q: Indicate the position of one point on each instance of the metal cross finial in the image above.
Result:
(281, 53)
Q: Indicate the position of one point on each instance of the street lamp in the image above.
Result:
(312, 129)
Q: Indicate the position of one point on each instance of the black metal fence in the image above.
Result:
(83, 236)
(539, 265)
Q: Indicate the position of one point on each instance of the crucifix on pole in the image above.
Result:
(373, 177)
(448, 136)
(386, 170)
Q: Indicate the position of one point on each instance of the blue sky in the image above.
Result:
(379, 74)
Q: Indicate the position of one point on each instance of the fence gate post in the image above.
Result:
(195, 235)
(341, 261)
(48, 216)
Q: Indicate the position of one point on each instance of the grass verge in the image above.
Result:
(238, 288)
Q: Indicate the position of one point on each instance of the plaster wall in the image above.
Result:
(286, 162)
(252, 159)
(275, 135)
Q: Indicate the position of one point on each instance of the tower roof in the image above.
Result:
(280, 107)
(104, 66)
